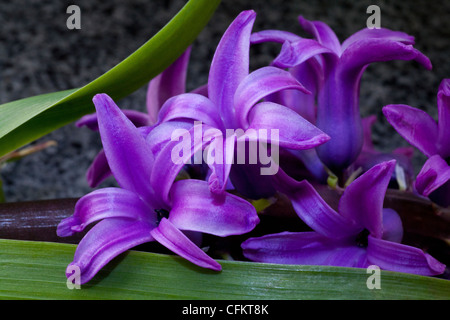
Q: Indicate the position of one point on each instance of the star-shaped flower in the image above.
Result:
(138, 212)
(359, 234)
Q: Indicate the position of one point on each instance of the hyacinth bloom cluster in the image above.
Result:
(152, 203)
(332, 71)
(432, 139)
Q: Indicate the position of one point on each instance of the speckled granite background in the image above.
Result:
(38, 54)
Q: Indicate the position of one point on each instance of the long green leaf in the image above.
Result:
(25, 120)
(35, 270)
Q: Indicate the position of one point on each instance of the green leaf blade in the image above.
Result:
(35, 270)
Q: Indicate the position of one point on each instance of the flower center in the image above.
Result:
(362, 239)
(161, 213)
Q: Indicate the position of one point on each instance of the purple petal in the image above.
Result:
(202, 90)
(402, 258)
(295, 53)
(230, 65)
(434, 174)
(101, 204)
(99, 170)
(105, 241)
(169, 83)
(221, 164)
(173, 239)
(273, 36)
(339, 117)
(259, 84)
(129, 156)
(310, 74)
(161, 134)
(392, 226)
(367, 124)
(366, 51)
(190, 106)
(312, 162)
(138, 118)
(363, 199)
(443, 103)
(169, 161)
(415, 125)
(89, 120)
(307, 248)
(382, 33)
(294, 132)
(195, 208)
(314, 211)
(323, 34)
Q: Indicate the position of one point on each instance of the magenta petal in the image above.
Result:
(173, 156)
(195, 208)
(323, 34)
(443, 103)
(402, 258)
(259, 84)
(99, 170)
(190, 106)
(230, 65)
(415, 125)
(366, 51)
(160, 134)
(434, 174)
(273, 36)
(307, 248)
(173, 239)
(89, 120)
(363, 199)
(129, 156)
(221, 164)
(139, 119)
(106, 240)
(295, 53)
(294, 132)
(367, 124)
(392, 226)
(169, 83)
(382, 33)
(314, 211)
(101, 204)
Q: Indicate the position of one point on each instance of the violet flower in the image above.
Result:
(334, 71)
(137, 212)
(432, 139)
(233, 103)
(359, 234)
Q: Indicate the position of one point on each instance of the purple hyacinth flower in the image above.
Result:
(432, 139)
(359, 234)
(336, 73)
(233, 102)
(138, 212)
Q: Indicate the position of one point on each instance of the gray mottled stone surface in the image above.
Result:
(38, 54)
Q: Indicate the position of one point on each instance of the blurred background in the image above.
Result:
(38, 54)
